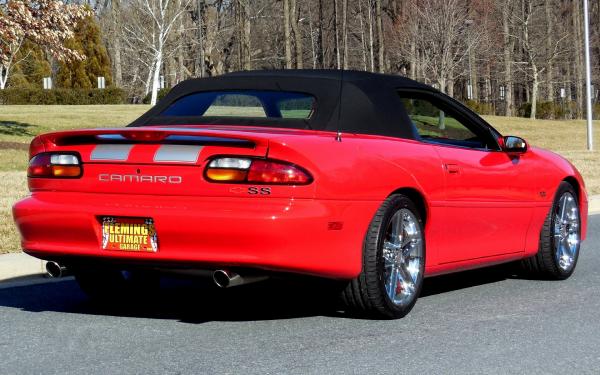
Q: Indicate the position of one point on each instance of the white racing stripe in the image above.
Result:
(111, 152)
(177, 153)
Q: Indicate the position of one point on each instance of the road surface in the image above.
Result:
(477, 322)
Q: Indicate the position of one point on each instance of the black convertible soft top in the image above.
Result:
(347, 101)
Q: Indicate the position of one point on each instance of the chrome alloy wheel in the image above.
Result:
(403, 257)
(566, 231)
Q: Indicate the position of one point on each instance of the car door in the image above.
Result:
(489, 194)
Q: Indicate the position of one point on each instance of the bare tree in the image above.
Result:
(287, 36)
(115, 10)
(162, 15)
(508, 48)
(538, 56)
(380, 43)
(440, 37)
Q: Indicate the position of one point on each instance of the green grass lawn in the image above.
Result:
(18, 124)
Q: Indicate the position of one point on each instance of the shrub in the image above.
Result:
(481, 108)
(161, 94)
(550, 110)
(111, 95)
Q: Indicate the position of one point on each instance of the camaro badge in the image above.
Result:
(112, 177)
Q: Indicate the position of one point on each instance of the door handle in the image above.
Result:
(452, 168)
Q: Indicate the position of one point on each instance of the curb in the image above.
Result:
(16, 266)
(594, 204)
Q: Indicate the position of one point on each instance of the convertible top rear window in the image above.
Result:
(243, 103)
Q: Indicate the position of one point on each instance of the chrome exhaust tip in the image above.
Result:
(55, 270)
(227, 278)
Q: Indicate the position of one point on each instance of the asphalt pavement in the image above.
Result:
(481, 322)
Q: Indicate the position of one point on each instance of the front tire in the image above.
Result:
(393, 262)
(560, 238)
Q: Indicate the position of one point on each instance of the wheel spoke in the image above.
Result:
(402, 256)
(396, 233)
(562, 206)
(389, 253)
(566, 231)
(405, 274)
(392, 282)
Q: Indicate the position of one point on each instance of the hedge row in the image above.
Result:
(110, 95)
(553, 110)
(544, 110)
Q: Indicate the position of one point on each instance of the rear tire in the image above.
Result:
(393, 262)
(110, 285)
(560, 238)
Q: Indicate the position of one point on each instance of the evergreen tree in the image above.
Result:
(32, 67)
(83, 74)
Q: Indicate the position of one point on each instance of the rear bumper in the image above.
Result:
(275, 234)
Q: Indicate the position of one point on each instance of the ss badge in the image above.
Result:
(255, 190)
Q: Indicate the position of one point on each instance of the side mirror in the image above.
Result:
(513, 144)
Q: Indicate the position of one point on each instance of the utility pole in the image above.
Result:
(588, 76)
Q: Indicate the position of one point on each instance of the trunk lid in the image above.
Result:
(155, 160)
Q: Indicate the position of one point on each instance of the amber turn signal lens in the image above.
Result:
(66, 170)
(226, 174)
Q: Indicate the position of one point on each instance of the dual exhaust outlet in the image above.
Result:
(221, 278)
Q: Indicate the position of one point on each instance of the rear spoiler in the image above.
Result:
(145, 135)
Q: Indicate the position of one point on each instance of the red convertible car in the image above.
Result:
(375, 181)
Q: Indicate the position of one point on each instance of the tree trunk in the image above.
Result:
(287, 38)
(579, 69)
(549, 51)
(534, 92)
(363, 39)
(473, 76)
(180, 54)
(371, 38)
(200, 68)
(297, 35)
(509, 46)
(568, 81)
(321, 38)
(413, 60)
(379, 36)
(148, 83)
(246, 35)
(345, 33)
(157, 68)
(313, 49)
(3, 77)
(115, 13)
(337, 36)
(488, 85)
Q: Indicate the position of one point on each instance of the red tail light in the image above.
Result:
(145, 136)
(274, 172)
(54, 165)
(258, 171)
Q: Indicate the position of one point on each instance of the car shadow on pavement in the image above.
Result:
(467, 279)
(199, 301)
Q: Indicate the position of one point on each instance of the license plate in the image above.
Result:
(129, 234)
